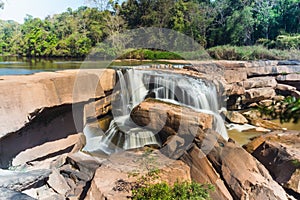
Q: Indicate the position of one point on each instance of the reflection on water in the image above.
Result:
(245, 137)
(288, 126)
(21, 65)
(242, 137)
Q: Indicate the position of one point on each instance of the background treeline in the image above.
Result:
(270, 23)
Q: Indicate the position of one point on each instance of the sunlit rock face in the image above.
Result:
(279, 152)
(24, 97)
(194, 95)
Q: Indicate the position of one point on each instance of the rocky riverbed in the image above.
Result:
(42, 135)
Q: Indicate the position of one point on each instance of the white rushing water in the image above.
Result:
(134, 86)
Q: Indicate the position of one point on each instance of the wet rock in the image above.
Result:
(235, 117)
(279, 152)
(244, 176)
(50, 149)
(202, 171)
(7, 194)
(20, 181)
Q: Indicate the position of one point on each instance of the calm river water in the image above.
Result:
(19, 66)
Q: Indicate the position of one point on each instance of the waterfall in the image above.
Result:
(134, 86)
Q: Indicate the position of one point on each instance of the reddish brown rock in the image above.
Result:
(112, 180)
(235, 117)
(279, 152)
(203, 172)
(245, 177)
(29, 94)
(170, 118)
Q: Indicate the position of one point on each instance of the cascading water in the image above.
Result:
(134, 86)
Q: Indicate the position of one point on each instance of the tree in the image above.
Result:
(240, 26)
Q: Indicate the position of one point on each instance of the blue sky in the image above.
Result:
(17, 9)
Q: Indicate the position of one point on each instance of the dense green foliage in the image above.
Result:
(180, 191)
(273, 24)
(286, 110)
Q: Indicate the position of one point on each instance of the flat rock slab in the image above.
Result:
(23, 96)
(49, 149)
(20, 181)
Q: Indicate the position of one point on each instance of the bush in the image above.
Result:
(286, 110)
(257, 52)
(180, 191)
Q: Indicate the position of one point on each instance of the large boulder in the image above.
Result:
(28, 95)
(112, 180)
(202, 171)
(170, 119)
(244, 176)
(279, 152)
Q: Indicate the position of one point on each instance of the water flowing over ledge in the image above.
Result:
(134, 86)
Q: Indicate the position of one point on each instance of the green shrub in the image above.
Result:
(286, 110)
(257, 52)
(180, 191)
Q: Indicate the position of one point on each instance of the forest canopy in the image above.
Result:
(73, 33)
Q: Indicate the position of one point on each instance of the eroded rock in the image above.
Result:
(49, 89)
(170, 119)
(279, 152)
(245, 177)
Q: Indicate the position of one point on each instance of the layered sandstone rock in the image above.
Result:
(23, 97)
(170, 119)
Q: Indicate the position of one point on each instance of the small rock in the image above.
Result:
(7, 194)
(58, 183)
(235, 117)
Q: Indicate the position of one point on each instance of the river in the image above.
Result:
(23, 66)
